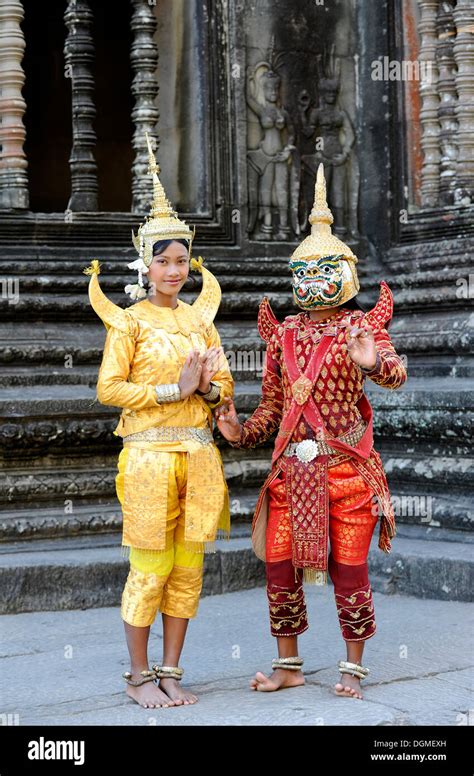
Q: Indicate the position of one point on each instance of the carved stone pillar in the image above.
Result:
(430, 141)
(13, 164)
(79, 55)
(464, 57)
(144, 59)
(446, 31)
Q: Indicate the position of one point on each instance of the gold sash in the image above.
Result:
(145, 503)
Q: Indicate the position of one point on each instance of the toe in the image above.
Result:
(259, 677)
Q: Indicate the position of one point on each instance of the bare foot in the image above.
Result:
(177, 694)
(280, 678)
(350, 686)
(149, 695)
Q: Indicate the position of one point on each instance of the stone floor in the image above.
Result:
(64, 667)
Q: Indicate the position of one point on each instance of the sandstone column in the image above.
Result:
(464, 57)
(144, 59)
(430, 131)
(446, 32)
(79, 55)
(13, 164)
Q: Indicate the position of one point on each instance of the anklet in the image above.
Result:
(289, 663)
(168, 672)
(355, 669)
(147, 676)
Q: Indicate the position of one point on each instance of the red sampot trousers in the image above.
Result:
(352, 519)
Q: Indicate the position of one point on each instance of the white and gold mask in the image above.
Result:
(323, 267)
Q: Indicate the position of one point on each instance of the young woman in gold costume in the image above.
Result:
(163, 364)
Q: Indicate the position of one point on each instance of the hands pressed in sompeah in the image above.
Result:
(210, 361)
(191, 373)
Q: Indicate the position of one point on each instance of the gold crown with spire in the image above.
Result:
(163, 222)
(321, 241)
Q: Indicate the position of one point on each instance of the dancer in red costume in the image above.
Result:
(327, 482)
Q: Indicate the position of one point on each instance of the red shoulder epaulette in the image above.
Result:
(382, 312)
(267, 322)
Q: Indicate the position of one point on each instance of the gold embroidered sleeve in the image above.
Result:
(391, 371)
(223, 377)
(113, 386)
(267, 417)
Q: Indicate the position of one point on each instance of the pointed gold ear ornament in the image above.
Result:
(136, 241)
(208, 301)
(110, 313)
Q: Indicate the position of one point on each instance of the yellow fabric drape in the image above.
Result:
(144, 488)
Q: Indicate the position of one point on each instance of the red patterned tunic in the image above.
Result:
(331, 405)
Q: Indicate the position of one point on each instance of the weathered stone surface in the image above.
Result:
(89, 571)
(418, 675)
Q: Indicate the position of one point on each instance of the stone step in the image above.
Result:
(445, 393)
(241, 303)
(71, 499)
(80, 502)
(90, 572)
(434, 419)
(79, 515)
(421, 431)
(69, 264)
(57, 290)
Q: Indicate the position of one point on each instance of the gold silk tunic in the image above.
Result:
(148, 346)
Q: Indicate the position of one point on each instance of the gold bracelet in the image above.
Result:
(212, 394)
(168, 392)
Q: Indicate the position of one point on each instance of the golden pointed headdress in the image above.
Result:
(321, 241)
(163, 222)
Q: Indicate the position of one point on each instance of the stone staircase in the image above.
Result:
(59, 516)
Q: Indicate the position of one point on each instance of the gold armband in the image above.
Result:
(167, 393)
(213, 393)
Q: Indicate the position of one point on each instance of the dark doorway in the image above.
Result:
(48, 97)
(114, 103)
(48, 111)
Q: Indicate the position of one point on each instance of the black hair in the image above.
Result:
(161, 245)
